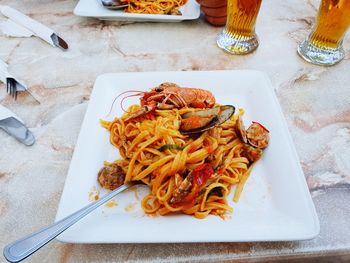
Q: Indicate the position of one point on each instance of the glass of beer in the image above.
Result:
(324, 44)
(239, 36)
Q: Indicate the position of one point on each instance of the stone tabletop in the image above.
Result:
(315, 101)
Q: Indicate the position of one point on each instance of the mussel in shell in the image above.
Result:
(200, 121)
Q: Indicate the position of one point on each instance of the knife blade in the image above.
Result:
(15, 127)
(38, 29)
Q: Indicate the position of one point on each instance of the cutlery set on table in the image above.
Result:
(274, 180)
(9, 121)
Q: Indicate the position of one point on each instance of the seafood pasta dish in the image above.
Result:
(186, 147)
(163, 7)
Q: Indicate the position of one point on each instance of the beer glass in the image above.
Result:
(324, 44)
(239, 36)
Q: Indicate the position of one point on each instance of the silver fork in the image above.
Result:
(13, 86)
(24, 247)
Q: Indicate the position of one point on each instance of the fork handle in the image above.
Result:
(22, 248)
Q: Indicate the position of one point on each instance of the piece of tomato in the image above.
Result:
(200, 176)
(202, 173)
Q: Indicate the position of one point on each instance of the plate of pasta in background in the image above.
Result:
(212, 154)
(141, 10)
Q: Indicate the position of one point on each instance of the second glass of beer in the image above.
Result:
(239, 36)
(324, 45)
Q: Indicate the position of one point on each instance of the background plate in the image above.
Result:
(92, 8)
(275, 203)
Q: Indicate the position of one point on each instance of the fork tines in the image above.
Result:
(11, 87)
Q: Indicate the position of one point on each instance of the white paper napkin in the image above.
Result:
(6, 113)
(12, 29)
(23, 21)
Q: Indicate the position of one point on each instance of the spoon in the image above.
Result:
(113, 4)
(24, 247)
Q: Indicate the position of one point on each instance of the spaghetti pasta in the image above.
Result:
(187, 174)
(170, 7)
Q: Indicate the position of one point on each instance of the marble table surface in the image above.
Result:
(315, 101)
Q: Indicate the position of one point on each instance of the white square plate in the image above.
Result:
(92, 8)
(275, 203)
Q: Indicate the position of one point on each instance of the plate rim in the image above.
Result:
(140, 17)
(305, 189)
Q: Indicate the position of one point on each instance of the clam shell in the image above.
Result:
(240, 130)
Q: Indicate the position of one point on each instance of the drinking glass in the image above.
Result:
(324, 44)
(239, 36)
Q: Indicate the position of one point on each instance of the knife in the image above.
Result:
(37, 28)
(14, 126)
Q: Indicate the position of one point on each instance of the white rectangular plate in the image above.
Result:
(92, 8)
(275, 203)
